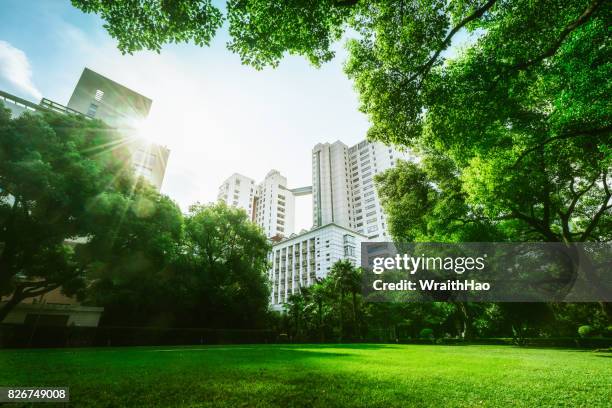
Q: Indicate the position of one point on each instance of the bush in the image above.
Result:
(426, 333)
(585, 331)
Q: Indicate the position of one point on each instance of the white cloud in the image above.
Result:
(15, 68)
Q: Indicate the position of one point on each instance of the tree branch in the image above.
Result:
(542, 229)
(576, 196)
(583, 18)
(568, 135)
(602, 209)
(424, 70)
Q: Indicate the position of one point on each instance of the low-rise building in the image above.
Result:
(53, 309)
(300, 260)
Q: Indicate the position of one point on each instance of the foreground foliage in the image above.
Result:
(62, 178)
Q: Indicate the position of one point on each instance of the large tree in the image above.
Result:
(227, 256)
(132, 261)
(58, 173)
(160, 268)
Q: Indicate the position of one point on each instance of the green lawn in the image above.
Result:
(317, 375)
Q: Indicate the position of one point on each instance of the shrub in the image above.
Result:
(585, 331)
(426, 333)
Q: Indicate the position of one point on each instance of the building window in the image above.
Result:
(99, 95)
(91, 112)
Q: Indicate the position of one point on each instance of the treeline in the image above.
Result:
(73, 216)
(333, 309)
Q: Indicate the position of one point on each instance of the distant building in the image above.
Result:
(343, 190)
(238, 191)
(274, 206)
(118, 106)
(270, 204)
(300, 260)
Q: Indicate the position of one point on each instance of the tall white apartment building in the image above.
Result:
(302, 259)
(270, 204)
(274, 206)
(343, 188)
(238, 191)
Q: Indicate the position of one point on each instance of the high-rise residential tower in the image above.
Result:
(118, 106)
(331, 190)
(270, 204)
(274, 206)
(343, 190)
(238, 191)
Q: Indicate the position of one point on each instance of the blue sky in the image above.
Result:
(216, 116)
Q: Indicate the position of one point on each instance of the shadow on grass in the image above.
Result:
(356, 346)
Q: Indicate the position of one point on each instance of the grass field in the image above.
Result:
(317, 375)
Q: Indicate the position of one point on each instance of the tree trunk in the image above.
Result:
(6, 264)
(321, 334)
(355, 313)
(341, 315)
(466, 333)
(606, 308)
(8, 306)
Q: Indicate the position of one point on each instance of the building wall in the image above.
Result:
(275, 206)
(302, 259)
(118, 106)
(343, 185)
(330, 184)
(73, 315)
(238, 191)
(149, 161)
(99, 97)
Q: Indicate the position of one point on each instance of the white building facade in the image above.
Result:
(270, 204)
(274, 206)
(343, 185)
(302, 259)
(238, 191)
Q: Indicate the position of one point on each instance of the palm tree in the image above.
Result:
(296, 303)
(317, 293)
(353, 283)
(343, 276)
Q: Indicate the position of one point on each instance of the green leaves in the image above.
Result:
(264, 31)
(149, 24)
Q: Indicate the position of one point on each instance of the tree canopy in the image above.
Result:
(521, 110)
(57, 178)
